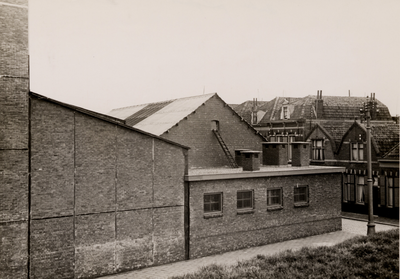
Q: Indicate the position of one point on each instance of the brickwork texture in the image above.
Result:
(104, 198)
(196, 132)
(14, 86)
(232, 230)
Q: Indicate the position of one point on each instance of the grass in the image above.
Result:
(375, 256)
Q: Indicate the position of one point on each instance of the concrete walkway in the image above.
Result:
(350, 229)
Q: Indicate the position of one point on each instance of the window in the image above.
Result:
(245, 200)
(389, 181)
(348, 188)
(360, 189)
(274, 197)
(300, 195)
(318, 149)
(285, 113)
(212, 203)
(357, 151)
(215, 125)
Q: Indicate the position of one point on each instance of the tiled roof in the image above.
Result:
(334, 107)
(386, 136)
(157, 118)
(393, 153)
(336, 130)
(245, 109)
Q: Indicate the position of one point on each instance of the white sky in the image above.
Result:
(105, 54)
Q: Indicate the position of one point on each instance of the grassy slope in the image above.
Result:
(376, 256)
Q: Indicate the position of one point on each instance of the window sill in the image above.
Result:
(317, 161)
(274, 207)
(245, 211)
(358, 162)
(213, 215)
(301, 204)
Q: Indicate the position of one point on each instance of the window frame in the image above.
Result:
(251, 199)
(348, 186)
(213, 213)
(390, 190)
(357, 148)
(278, 205)
(361, 186)
(306, 201)
(318, 149)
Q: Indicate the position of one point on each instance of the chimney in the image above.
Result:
(319, 105)
(254, 111)
(275, 153)
(238, 156)
(250, 160)
(300, 154)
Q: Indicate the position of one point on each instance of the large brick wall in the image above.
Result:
(231, 231)
(104, 198)
(14, 86)
(195, 131)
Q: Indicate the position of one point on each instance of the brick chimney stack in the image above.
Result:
(319, 105)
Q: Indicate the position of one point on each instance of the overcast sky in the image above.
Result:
(105, 54)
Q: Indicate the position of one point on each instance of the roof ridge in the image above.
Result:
(165, 101)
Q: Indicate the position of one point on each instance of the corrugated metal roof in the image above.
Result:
(157, 118)
(145, 112)
(123, 113)
(162, 120)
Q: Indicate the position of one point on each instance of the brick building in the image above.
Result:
(233, 209)
(83, 194)
(337, 139)
(205, 123)
(344, 144)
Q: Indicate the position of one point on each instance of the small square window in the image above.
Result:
(212, 203)
(300, 195)
(245, 200)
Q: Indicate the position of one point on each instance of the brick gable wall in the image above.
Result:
(104, 198)
(195, 131)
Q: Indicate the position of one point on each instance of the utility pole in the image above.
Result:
(366, 113)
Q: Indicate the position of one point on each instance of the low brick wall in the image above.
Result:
(232, 229)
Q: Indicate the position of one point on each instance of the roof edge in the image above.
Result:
(103, 117)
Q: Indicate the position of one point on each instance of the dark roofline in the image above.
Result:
(241, 118)
(356, 123)
(327, 134)
(103, 117)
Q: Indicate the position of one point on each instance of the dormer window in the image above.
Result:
(318, 149)
(285, 113)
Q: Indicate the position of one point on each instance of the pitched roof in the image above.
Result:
(334, 107)
(103, 117)
(386, 136)
(157, 118)
(334, 131)
(245, 109)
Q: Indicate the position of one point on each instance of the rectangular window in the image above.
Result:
(389, 191)
(285, 113)
(274, 197)
(357, 151)
(245, 200)
(348, 188)
(301, 194)
(318, 149)
(212, 203)
(360, 189)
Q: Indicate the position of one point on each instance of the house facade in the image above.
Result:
(205, 123)
(337, 138)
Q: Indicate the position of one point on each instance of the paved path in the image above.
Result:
(350, 228)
